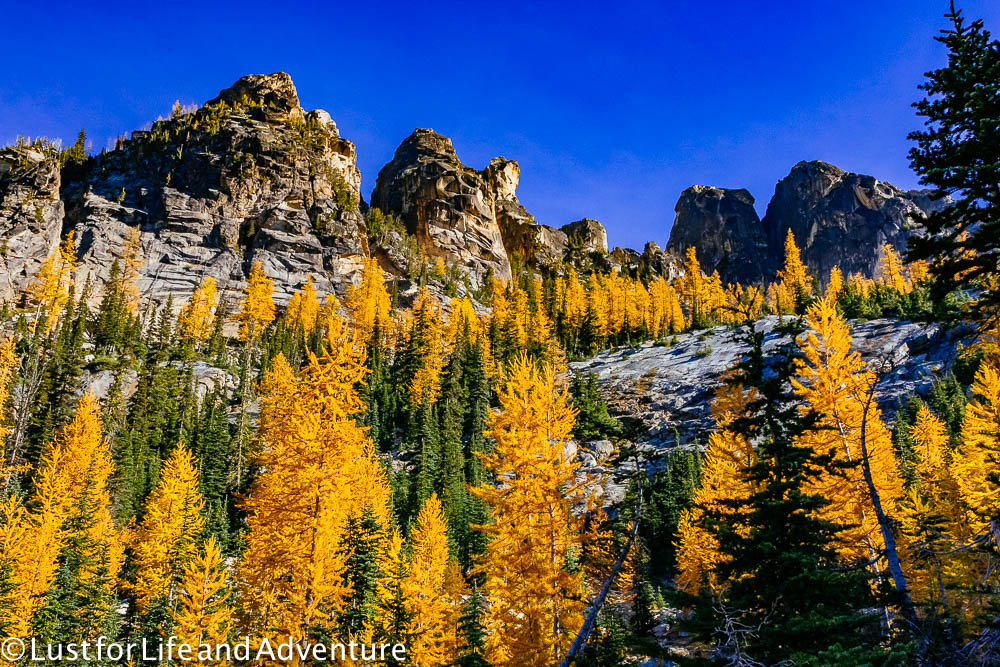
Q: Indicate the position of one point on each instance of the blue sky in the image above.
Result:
(611, 108)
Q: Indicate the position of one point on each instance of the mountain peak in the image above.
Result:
(270, 90)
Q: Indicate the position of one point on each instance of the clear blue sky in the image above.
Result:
(611, 108)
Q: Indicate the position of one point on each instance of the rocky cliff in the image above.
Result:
(449, 207)
(724, 228)
(838, 218)
(841, 218)
(31, 214)
(250, 176)
(473, 217)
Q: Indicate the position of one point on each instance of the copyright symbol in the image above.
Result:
(12, 649)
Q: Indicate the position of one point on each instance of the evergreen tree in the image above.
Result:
(593, 419)
(473, 631)
(212, 446)
(787, 597)
(956, 156)
(362, 545)
(452, 413)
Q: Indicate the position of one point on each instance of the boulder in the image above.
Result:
(723, 227)
(661, 263)
(31, 214)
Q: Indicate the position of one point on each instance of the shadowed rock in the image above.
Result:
(724, 229)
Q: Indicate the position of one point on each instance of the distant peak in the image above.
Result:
(271, 90)
(426, 140)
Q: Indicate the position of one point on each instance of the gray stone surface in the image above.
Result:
(215, 190)
(671, 388)
(841, 218)
(31, 214)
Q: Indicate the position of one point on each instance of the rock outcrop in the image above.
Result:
(473, 217)
(250, 176)
(723, 227)
(31, 214)
(841, 218)
(449, 207)
(670, 389)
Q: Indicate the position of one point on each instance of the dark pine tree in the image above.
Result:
(956, 154)
(788, 597)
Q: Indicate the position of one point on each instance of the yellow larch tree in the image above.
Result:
(75, 463)
(166, 540)
(535, 607)
(427, 342)
(728, 459)
(890, 270)
(303, 309)
(692, 288)
(131, 264)
(575, 302)
(319, 469)
(597, 308)
(257, 310)
(798, 283)
(424, 588)
(194, 322)
(8, 368)
(834, 382)
(835, 285)
(204, 613)
(977, 459)
(934, 525)
(917, 272)
(50, 289)
(368, 304)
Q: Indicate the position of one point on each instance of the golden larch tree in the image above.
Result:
(835, 285)
(977, 458)
(319, 469)
(368, 304)
(535, 603)
(890, 270)
(257, 310)
(131, 264)
(167, 537)
(50, 288)
(797, 281)
(724, 478)
(76, 462)
(204, 613)
(194, 322)
(834, 382)
(424, 588)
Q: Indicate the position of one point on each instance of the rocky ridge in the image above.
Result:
(473, 217)
(252, 176)
(837, 217)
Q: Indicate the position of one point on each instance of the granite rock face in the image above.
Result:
(474, 217)
(249, 176)
(723, 227)
(841, 218)
(31, 214)
(449, 207)
(670, 389)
